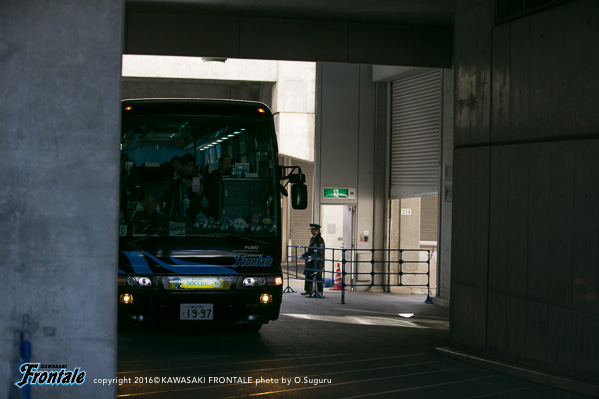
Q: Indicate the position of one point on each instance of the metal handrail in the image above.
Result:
(380, 261)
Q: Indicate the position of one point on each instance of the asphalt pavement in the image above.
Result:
(375, 345)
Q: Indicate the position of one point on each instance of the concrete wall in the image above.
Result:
(407, 236)
(194, 68)
(525, 261)
(141, 87)
(349, 145)
(294, 106)
(59, 158)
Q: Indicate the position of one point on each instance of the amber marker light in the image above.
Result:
(126, 299)
(265, 298)
(278, 280)
(261, 110)
(128, 108)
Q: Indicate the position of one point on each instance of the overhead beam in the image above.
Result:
(195, 34)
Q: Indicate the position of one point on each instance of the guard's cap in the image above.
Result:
(314, 226)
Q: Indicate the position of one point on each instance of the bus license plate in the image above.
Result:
(196, 311)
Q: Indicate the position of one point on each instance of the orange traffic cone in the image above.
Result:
(337, 285)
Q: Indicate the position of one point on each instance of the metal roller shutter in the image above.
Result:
(415, 135)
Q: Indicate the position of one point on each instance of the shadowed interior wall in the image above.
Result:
(525, 257)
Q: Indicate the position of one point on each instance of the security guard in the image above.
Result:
(314, 262)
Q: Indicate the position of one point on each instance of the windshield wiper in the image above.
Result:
(157, 233)
(189, 229)
(251, 239)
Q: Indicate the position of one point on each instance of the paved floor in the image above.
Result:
(375, 345)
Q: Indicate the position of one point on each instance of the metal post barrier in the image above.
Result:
(317, 277)
(288, 289)
(343, 261)
(428, 284)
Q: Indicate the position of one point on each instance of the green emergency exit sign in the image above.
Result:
(338, 193)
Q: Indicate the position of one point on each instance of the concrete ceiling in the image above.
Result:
(378, 32)
(404, 12)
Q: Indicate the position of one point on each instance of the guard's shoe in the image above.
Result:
(305, 293)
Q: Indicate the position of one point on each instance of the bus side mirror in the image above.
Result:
(299, 196)
(299, 190)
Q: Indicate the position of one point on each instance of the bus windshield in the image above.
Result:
(195, 176)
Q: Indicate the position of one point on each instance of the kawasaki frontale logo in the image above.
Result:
(256, 261)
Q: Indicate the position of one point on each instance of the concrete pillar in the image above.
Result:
(59, 108)
(443, 278)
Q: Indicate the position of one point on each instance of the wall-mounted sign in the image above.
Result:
(338, 193)
(406, 212)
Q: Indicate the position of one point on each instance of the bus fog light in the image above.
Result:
(265, 298)
(126, 299)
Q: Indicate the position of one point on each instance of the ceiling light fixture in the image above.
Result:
(214, 59)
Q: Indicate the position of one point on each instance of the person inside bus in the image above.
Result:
(149, 206)
(224, 168)
(183, 199)
(148, 219)
(176, 165)
(314, 257)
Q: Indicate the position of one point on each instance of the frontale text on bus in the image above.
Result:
(200, 217)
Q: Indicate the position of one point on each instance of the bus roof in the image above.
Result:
(167, 106)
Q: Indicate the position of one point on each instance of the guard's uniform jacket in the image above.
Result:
(314, 256)
(316, 251)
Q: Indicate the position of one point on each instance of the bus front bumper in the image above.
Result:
(249, 306)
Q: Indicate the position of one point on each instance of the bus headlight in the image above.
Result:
(135, 281)
(254, 281)
(262, 281)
